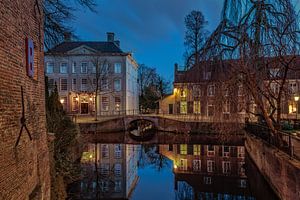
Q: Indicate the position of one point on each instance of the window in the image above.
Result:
(196, 165)
(183, 93)
(183, 107)
(84, 84)
(207, 180)
(104, 169)
(196, 91)
(197, 149)
(207, 75)
(63, 68)
(226, 92)
(74, 68)
(240, 90)
(117, 85)
(197, 107)
(63, 84)
(226, 167)
(118, 151)
(104, 186)
(183, 149)
(75, 106)
(117, 103)
(118, 169)
(210, 150)
(94, 81)
(243, 183)
(94, 69)
(105, 104)
(274, 88)
(104, 68)
(210, 110)
(241, 168)
(104, 150)
(293, 87)
(118, 186)
(241, 152)
(274, 72)
(104, 84)
(210, 166)
(226, 151)
(49, 67)
(84, 66)
(211, 90)
(183, 164)
(50, 84)
(292, 107)
(74, 83)
(226, 107)
(117, 68)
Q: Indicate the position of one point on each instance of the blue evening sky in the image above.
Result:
(153, 30)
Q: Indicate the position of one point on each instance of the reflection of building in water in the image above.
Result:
(110, 170)
(207, 171)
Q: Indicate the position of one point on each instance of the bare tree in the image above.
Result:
(262, 39)
(57, 15)
(195, 36)
(98, 78)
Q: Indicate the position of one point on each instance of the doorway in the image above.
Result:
(170, 108)
(84, 108)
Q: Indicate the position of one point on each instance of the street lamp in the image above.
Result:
(296, 98)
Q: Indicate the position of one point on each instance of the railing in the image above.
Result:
(291, 143)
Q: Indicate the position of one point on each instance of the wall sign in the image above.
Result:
(29, 57)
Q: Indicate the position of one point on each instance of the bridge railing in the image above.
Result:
(291, 143)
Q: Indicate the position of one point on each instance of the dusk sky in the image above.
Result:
(152, 30)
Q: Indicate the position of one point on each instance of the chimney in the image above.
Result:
(117, 42)
(110, 37)
(67, 36)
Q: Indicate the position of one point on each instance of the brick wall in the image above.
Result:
(24, 170)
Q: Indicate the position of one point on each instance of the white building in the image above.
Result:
(73, 67)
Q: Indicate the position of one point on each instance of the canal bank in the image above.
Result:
(280, 170)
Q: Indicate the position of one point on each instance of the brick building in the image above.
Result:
(205, 91)
(24, 166)
(77, 67)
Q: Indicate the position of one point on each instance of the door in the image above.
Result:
(84, 108)
(170, 108)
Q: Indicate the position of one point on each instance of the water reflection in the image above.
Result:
(197, 171)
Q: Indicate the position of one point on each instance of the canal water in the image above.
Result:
(168, 171)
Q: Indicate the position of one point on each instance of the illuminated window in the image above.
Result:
(197, 149)
(183, 149)
(117, 103)
(292, 107)
(183, 92)
(197, 107)
(183, 107)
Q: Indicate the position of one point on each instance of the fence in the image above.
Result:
(291, 143)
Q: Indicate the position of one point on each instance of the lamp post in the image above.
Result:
(296, 98)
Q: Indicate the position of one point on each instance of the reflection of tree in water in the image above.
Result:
(150, 156)
(184, 191)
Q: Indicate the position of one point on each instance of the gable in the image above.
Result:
(83, 49)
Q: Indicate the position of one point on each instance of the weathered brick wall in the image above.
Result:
(24, 170)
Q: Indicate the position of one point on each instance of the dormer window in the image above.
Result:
(274, 72)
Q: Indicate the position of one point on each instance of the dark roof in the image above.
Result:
(104, 47)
